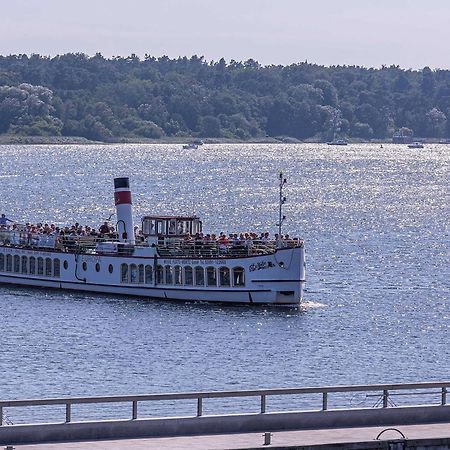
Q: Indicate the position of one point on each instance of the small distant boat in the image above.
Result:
(416, 145)
(337, 142)
(190, 146)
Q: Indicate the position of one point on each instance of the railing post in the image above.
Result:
(263, 404)
(444, 396)
(199, 407)
(385, 398)
(324, 401)
(134, 410)
(68, 412)
(1, 416)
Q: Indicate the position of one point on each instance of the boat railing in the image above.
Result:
(24, 238)
(169, 247)
(84, 243)
(217, 249)
(19, 237)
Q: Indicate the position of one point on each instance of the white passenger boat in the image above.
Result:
(416, 145)
(337, 142)
(161, 260)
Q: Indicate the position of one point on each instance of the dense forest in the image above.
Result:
(106, 99)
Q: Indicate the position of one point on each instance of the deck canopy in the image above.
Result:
(171, 225)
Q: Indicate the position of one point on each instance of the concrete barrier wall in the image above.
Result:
(242, 423)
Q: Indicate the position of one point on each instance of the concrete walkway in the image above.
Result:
(287, 439)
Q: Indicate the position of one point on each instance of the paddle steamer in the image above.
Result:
(161, 260)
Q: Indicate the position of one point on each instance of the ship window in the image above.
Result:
(178, 276)
(172, 226)
(48, 267)
(141, 273)
(40, 266)
(56, 268)
(110, 268)
(224, 276)
(9, 263)
(65, 265)
(148, 274)
(148, 227)
(24, 264)
(211, 276)
(124, 273)
(32, 265)
(169, 274)
(97, 267)
(181, 227)
(159, 274)
(152, 227)
(2, 262)
(188, 278)
(199, 276)
(84, 266)
(238, 276)
(160, 227)
(133, 273)
(16, 263)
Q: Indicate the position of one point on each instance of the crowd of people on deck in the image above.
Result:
(105, 230)
(223, 240)
(246, 239)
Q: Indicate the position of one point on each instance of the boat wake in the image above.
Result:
(312, 305)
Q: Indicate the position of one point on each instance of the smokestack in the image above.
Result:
(124, 210)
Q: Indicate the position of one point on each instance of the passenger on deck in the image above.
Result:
(188, 242)
(223, 238)
(4, 221)
(223, 243)
(104, 229)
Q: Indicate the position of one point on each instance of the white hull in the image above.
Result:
(276, 278)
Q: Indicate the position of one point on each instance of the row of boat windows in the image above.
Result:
(187, 276)
(132, 273)
(48, 267)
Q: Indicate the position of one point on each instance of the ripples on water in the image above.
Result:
(377, 307)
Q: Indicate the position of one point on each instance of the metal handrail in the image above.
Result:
(167, 247)
(384, 389)
(217, 249)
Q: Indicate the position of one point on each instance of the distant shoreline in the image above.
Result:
(66, 140)
(78, 140)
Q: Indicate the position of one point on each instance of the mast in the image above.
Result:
(282, 201)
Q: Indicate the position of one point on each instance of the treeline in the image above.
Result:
(106, 99)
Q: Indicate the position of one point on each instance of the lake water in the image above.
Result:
(377, 304)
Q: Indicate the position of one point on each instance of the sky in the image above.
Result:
(409, 33)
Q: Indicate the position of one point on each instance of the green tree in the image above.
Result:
(362, 130)
(210, 127)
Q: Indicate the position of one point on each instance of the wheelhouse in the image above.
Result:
(170, 226)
